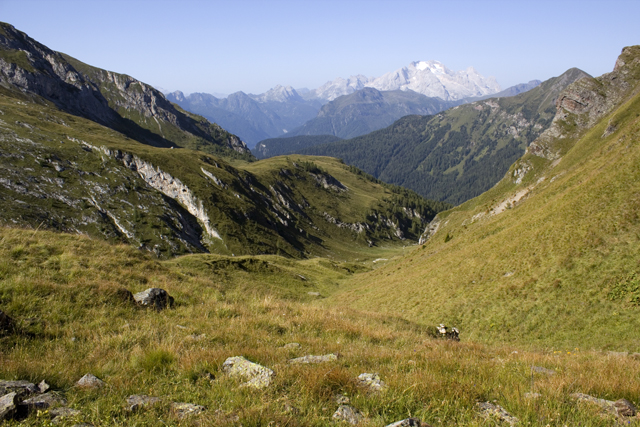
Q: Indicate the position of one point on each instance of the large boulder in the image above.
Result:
(155, 298)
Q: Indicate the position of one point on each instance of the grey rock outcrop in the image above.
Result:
(314, 359)
(371, 382)
(348, 414)
(621, 407)
(21, 387)
(138, 401)
(43, 401)
(488, 411)
(257, 375)
(90, 381)
(154, 298)
(8, 405)
(184, 410)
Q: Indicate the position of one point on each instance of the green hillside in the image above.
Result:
(550, 254)
(459, 153)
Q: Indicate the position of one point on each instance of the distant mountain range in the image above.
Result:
(453, 155)
(428, 87)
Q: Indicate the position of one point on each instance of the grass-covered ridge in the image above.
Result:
(64, 292)
(68, 173)
(550, 254)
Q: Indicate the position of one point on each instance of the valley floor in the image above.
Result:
(66, 295)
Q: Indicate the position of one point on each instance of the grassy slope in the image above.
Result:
(558, 268)
(63, 291)
(244, 213)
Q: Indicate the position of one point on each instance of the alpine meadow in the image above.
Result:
(468, 261)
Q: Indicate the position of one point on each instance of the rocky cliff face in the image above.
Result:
(114, 100)
(585, 102)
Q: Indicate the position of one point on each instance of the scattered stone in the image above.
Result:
(488, 410)
(314, 359)
(313, 294)
(138, 401)
(606, 405)
(371, 381)
(258, 375)
(59, 414)
(183, 410)
(292, 345)
(43, 401)
(341, 399)
(409, 422)
(453, 334)
(624, 408)
(348, 414)
(7, 324)
(541, 370)
(532, 396)
(21, 387)
(154, 297)
(43, 386)
(8, 405)
(90, 381)
(290, 409)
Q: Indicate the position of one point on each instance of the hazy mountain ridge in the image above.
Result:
(367, 110)
(282, 110)
(252, 117)
(459, 153)
(114, 100)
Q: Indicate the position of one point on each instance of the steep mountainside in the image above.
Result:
(62, 171)
(252, 117)
(551, 252)
(278, 146)
(367, 110)
(457, 154)
(113, 100)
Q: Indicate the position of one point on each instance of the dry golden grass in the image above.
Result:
(63, 291)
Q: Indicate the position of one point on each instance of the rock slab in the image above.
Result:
(8, 405)
(257, 375)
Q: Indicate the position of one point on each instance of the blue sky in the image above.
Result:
(227, 46)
